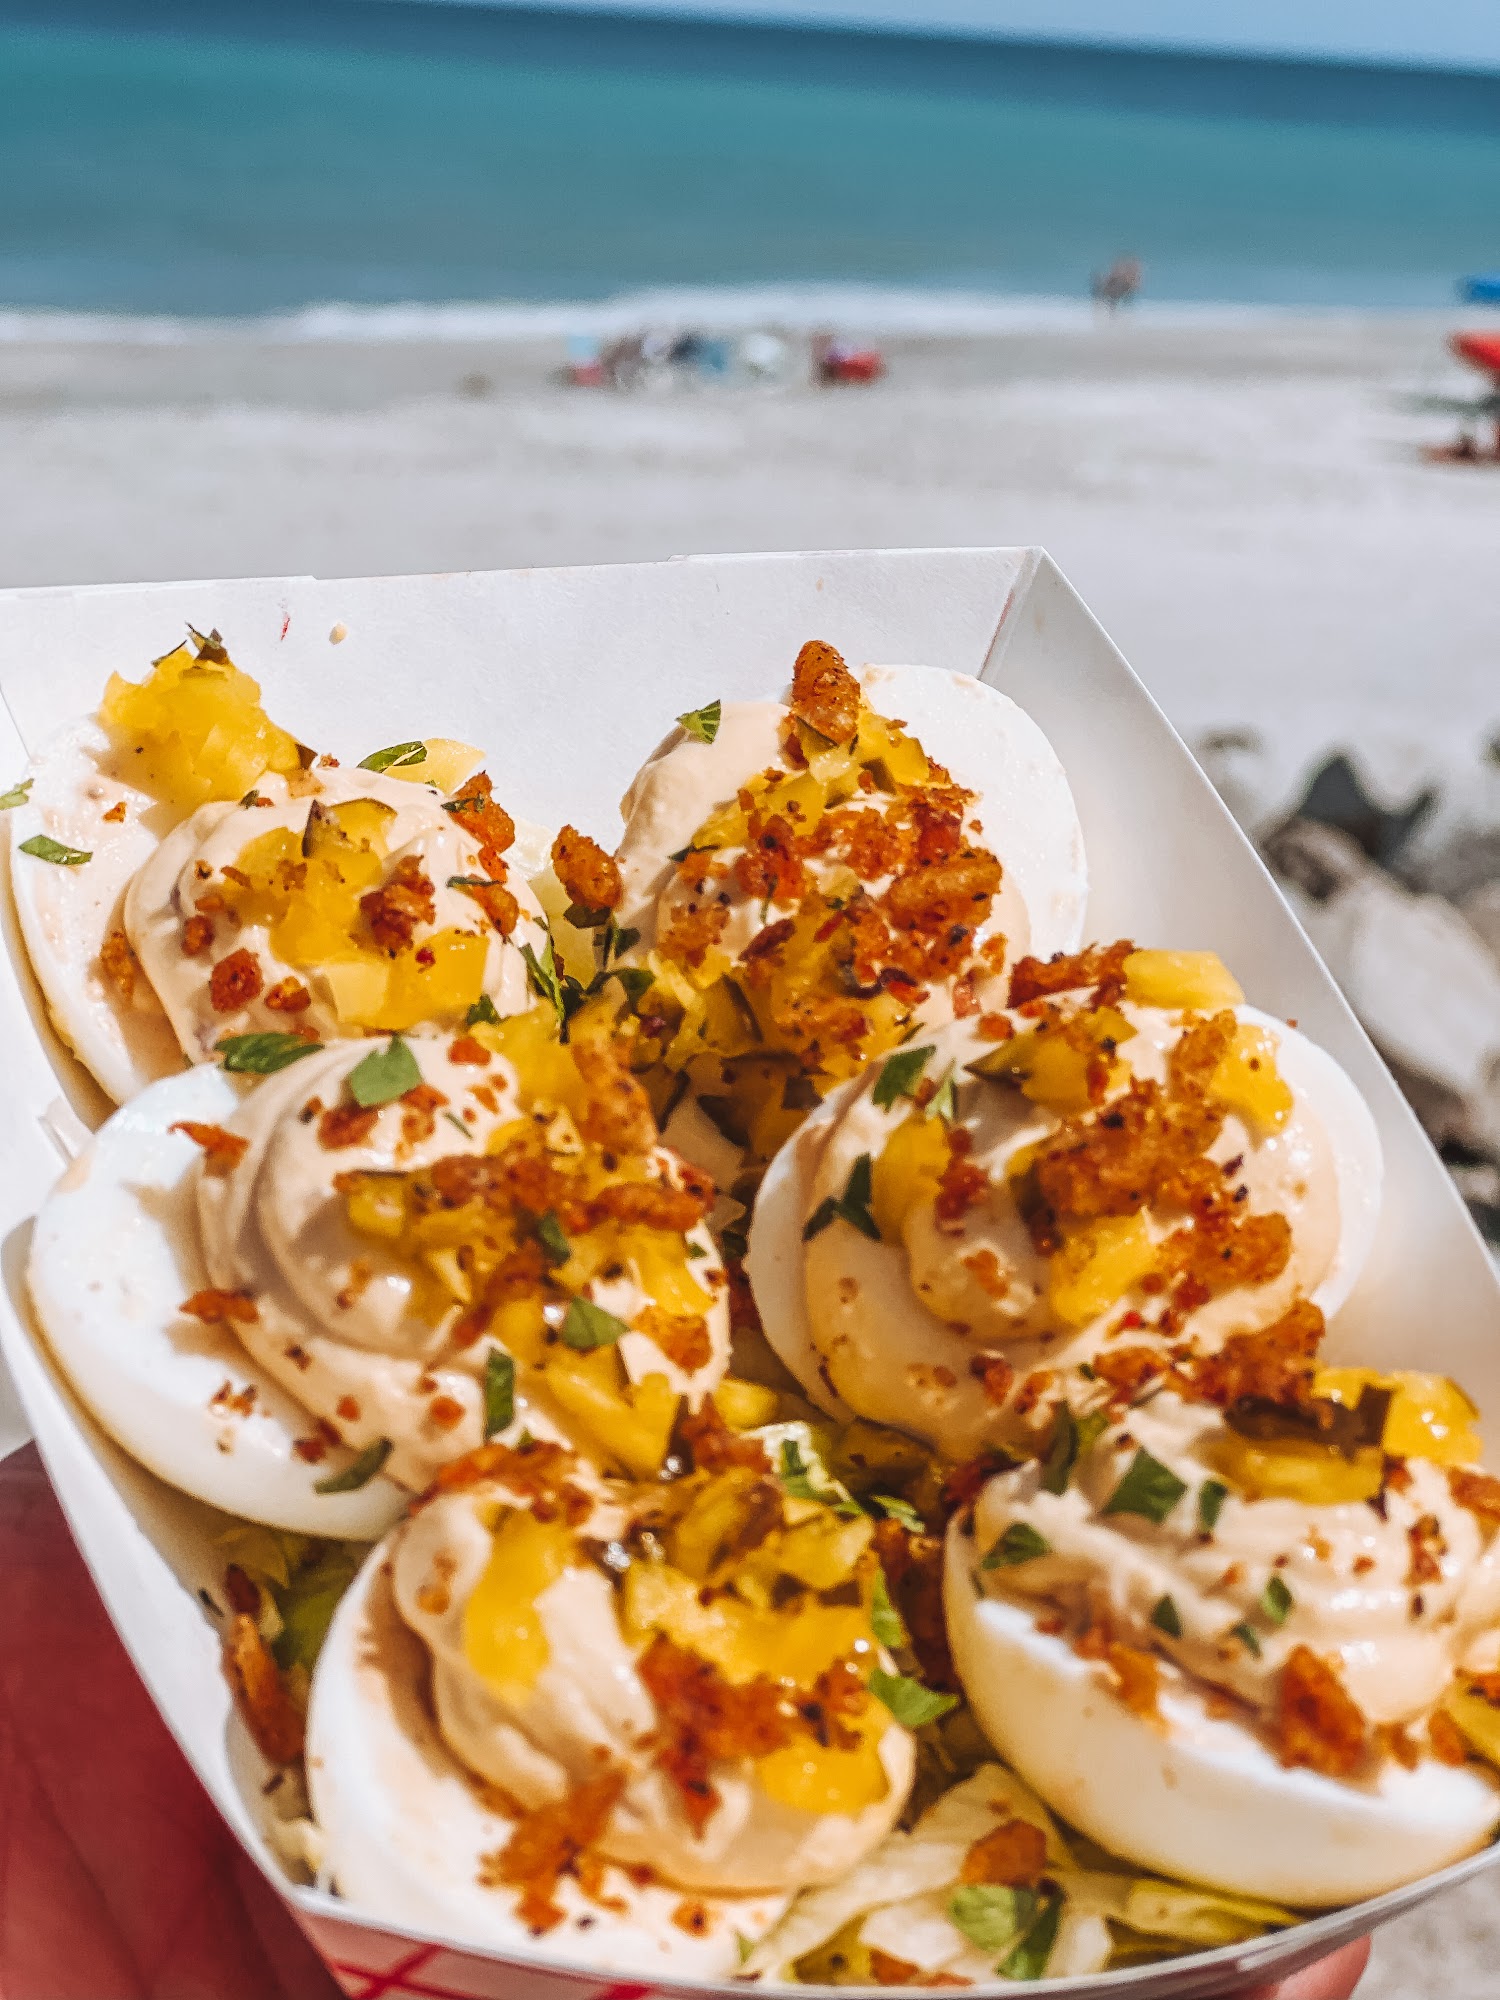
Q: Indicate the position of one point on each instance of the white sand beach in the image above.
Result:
(1242, 502)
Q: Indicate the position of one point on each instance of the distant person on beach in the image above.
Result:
(1118, 285)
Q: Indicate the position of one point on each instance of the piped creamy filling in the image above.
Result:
(1090, 1181)
(699, 1651)
(464, 1255)
(1229, 1583)
(329, 903)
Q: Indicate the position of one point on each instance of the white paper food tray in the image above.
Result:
(568, 678)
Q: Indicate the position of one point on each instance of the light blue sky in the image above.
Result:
(1456, 33)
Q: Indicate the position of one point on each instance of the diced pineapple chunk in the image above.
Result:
(1196, 979)
(544, 1068)
(1248, 1081)
(629, 1423)
(1478, 1721)
(446, 764)
(743, 1641)
(1315, 1474)
(504, 1639)
(809, 1778)
(1429, 1415)
(822, 1550)
(366, 822)
(520, 1326)
(376, 1205)
(665, 1273)
(1098, 1266)
(880, 743)
(744, 1406)
(442, 976)
(194, 730)
(906, 1173)
(357, 987)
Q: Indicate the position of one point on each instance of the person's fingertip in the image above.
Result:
(1331, 1978)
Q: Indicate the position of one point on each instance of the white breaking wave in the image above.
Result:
(858, 309)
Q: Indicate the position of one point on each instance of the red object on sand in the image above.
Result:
(1481, 350)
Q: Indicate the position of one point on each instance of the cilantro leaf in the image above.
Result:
(900, 1511)
(458, 1125)
(702, 724)
(1149, 1489)
(912, 1704)
(1165, 1617)
(795, 1474)
(586, 917)
(637, 980)
(397, 757)
(359, 1473)
(482, 1010)
(588, 1326)
(560, 989)
(1276, 1601)
(1211, 1497)
(264, 1054)
(499, 1391)
(945, 1104)
(17, 795)
(1061, 1453)
(1247, 1635)
(885, 1620)
(990, 1916)
(1028, 1960)
(900, 1075)
(825, 1212)
(45, 848)
(549, 1233)
(384, 1075)
(1019, 1544)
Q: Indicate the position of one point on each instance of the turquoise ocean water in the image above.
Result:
(232, 157)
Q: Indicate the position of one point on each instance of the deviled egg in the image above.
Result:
(681, 1678)
(1227, 1642)
(808, 882)
(392, 1249)
(186, 872)
(1121, 1166)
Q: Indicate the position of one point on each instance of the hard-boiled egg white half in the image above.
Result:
(1178, 1753)
(408, 1835)
(115, 1252)
(318, 1331)
(901, 1328)
(111, 1020)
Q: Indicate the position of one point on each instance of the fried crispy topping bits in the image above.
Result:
(1317, 1723)
(586, 872)
(825, 695)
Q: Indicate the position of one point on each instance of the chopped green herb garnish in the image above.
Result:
(702, 724)
(263, 1055)
(384, 1075)
(795, 1474)
(1211, 1497)
(637, 980)
(458, 1124)
(900, 1074)
(306, 1604)
(1246, 1633)
(1276, 1601)
(482, 1010)
(549, 1233)
(588, 1326)
(396, 758)
(743, 1946)
(1149, 1489)
(499, 1391)
(885, 1620)
(1061, 1453)
(1029, 1958)
(584, 917)
(991, 1916)
(900, 1511)
(474, 882)
(17, 795)
(852, 1206)
(561, 989)
(618, 939)
(45, 848)
(1019, 1544)
(912, 1704)
(359, 1473)
(945, 1103)
(1164, 1617)
(251, 798)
